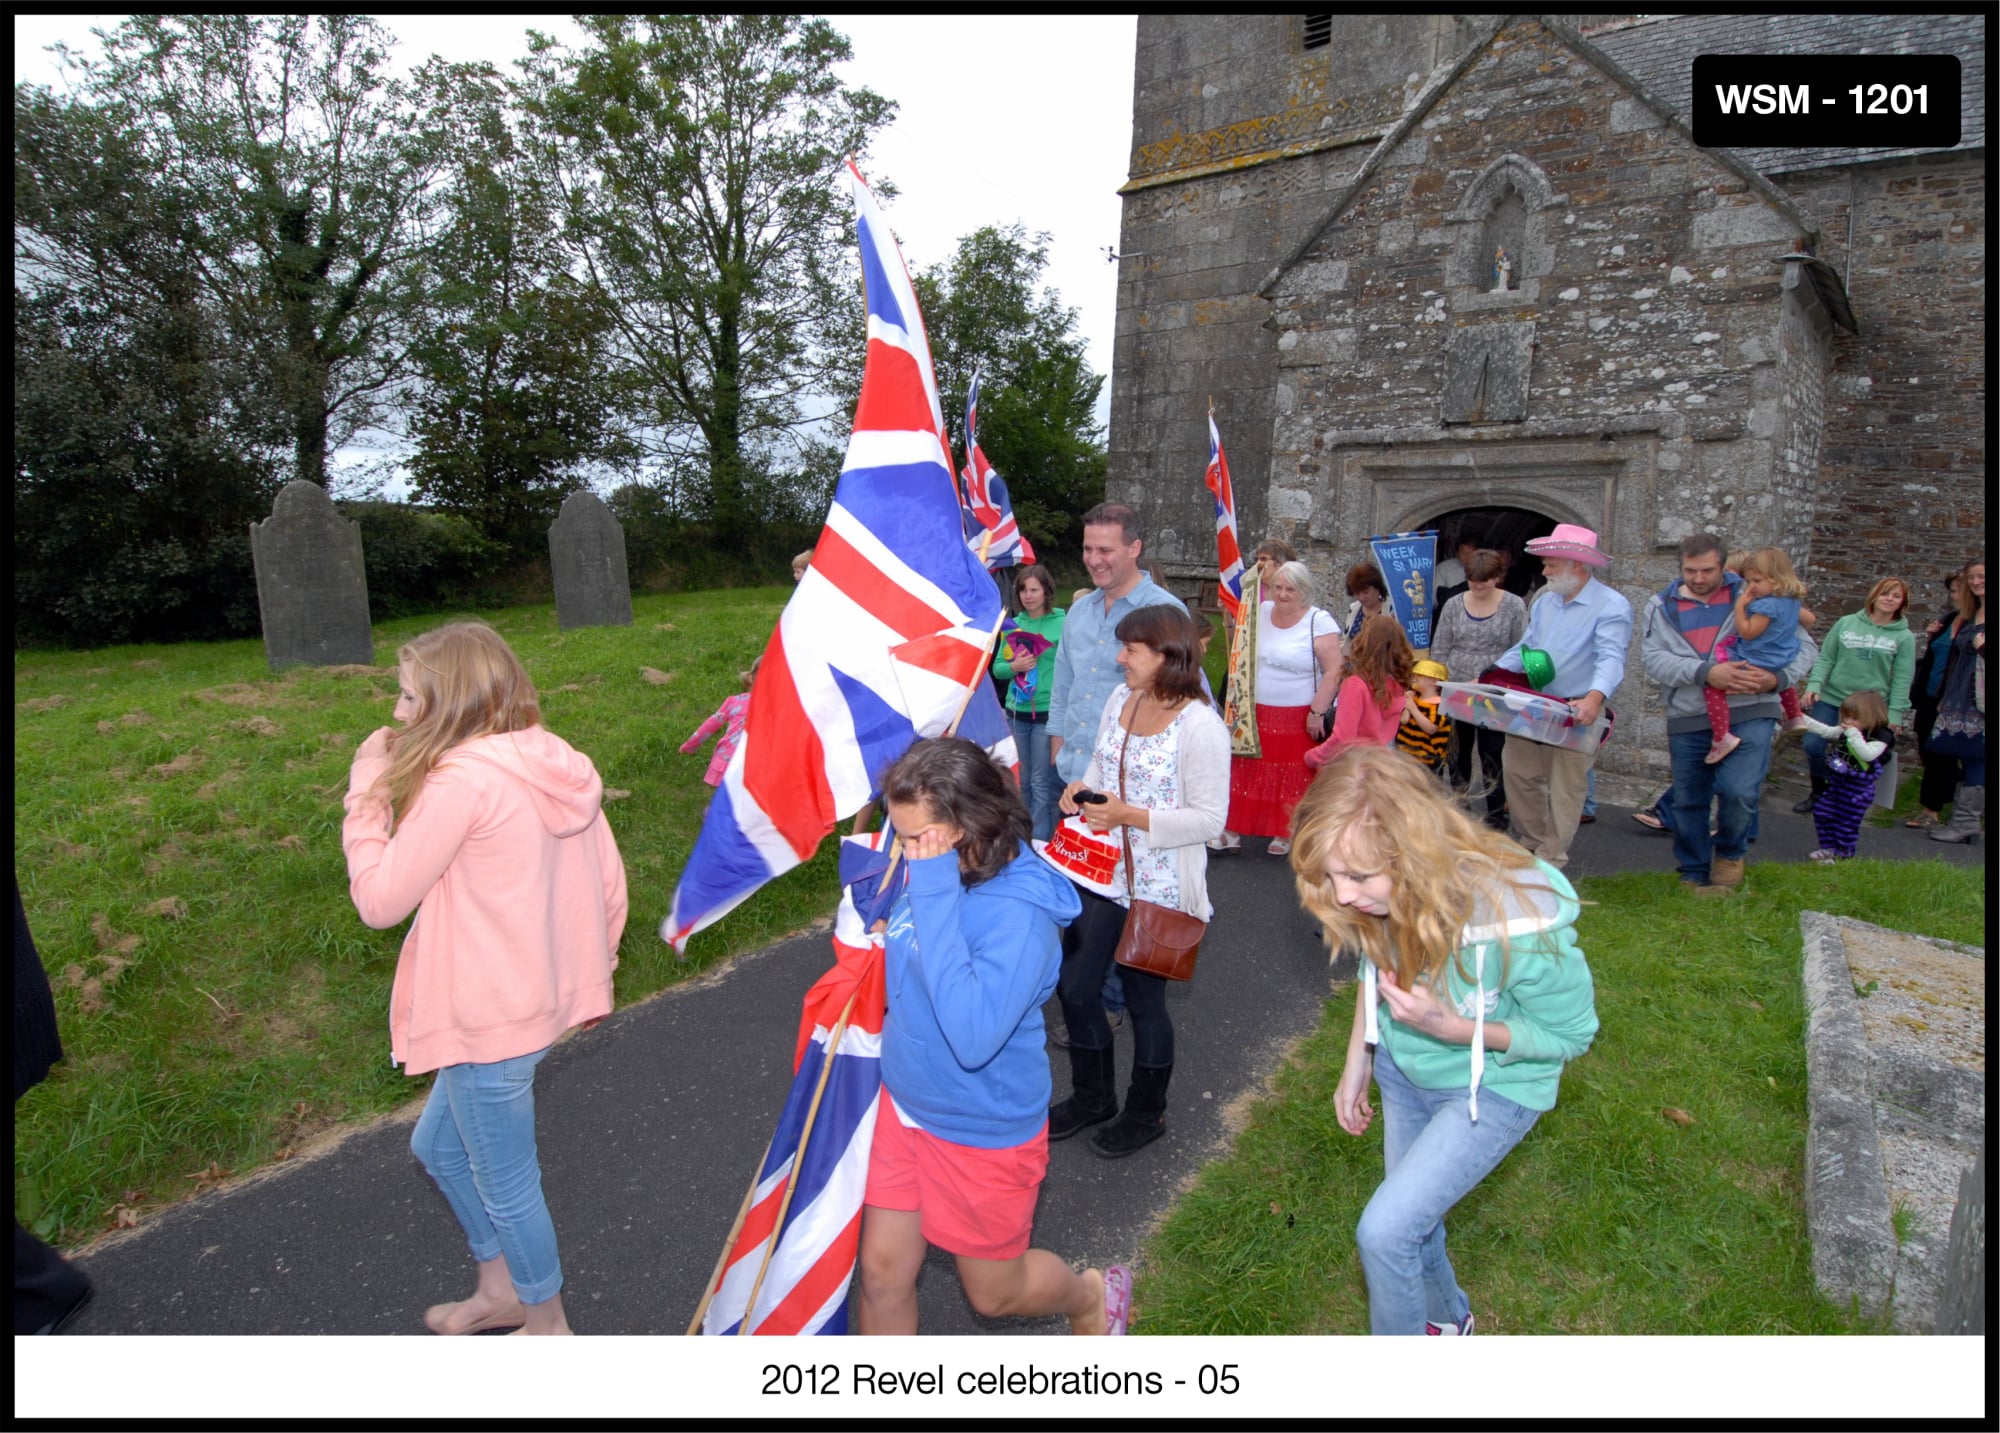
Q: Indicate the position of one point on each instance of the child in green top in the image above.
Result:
(1469, 946)
(1029, 677)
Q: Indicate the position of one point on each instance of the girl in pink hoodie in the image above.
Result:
(492, 826)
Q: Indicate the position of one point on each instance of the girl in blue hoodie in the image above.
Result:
(1474, 996)
(961, 1139)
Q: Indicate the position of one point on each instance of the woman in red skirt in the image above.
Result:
(1295, 677)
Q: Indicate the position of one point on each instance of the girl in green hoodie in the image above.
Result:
(1872, 650)
(1474, 996)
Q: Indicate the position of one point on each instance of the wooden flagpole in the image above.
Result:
(729, 1239)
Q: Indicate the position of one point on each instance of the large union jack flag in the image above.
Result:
(795, 1252)
(891, 625)
(1228, 552)
(986, 494)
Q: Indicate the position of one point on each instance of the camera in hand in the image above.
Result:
(1084, 796)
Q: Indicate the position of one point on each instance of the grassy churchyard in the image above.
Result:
(177, 818)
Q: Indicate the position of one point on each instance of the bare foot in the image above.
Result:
(475, 1315)
(1096, 1321)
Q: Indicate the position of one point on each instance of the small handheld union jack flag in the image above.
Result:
(986, 493)
(1228, 552)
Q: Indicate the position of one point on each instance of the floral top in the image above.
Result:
(1959, 713)
(1152, 780)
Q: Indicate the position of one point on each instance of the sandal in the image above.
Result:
(1922, 819)
(1649, 820)
(1117, 1299)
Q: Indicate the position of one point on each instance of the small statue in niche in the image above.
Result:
(1503, 271)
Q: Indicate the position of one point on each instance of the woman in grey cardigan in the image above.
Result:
(1474, 628)
(1161, 768)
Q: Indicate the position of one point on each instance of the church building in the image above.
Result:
(1458, 271)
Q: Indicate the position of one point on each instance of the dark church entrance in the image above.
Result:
(1505, 530)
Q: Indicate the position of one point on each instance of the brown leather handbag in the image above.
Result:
(1157, 939)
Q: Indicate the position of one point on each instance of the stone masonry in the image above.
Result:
(1673, 349)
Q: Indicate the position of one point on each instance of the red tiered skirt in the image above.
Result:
(1263, 790)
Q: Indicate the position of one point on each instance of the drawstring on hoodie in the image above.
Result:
(1372, 1034)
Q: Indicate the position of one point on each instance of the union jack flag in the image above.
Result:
(795, 1255)
(891, 625)
(1228, 552)
(986, 492)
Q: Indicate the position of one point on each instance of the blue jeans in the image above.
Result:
(1590, 793)
(1815, 744)
(1737, 780)
(1038, 777)
(1433, 1155)
(476, 1137)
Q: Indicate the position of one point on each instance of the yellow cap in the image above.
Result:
(1434, 670)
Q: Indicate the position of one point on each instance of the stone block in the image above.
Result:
(1629, 115)
(1486, 369)
(312, 586)
(1741, 224)
(587, 560)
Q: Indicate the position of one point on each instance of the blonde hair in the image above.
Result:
(1372, 804)
(1771, 562)
(1865, 709)
(467, 683)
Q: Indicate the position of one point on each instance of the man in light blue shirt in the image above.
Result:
(1086, 667)
(1585, 627)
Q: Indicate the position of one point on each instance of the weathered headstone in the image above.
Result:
(587, 559)
(1962, 1302)
(312, 590)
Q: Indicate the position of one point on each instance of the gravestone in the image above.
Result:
(1962, 1302)
(587, 560)
(312, 590)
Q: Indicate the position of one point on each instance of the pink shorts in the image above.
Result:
(972, 1201)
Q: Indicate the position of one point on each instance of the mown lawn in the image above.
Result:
(1610, 1217)
(177, 839)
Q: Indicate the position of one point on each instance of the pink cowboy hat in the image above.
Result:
(1568, 540)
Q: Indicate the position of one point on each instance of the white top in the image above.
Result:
(1285, 657)
(1202, 759)
(1449, 573)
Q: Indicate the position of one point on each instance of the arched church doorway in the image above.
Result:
(1507, 530)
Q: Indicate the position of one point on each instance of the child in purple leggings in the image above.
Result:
(1854, 756)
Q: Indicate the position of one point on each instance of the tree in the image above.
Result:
(299, 178)
(1038, 396)
(513, 399)
(143, 444)
(696, 158)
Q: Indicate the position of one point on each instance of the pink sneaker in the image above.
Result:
(1722, 748)
(1448, 1330)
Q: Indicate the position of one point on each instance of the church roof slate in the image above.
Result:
(1660, 54)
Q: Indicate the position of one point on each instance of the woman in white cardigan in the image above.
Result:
(1162, 765)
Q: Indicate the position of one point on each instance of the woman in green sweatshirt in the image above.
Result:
(1872, 650)
(1474, 996)
(1029, 677)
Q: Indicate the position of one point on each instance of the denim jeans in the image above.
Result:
(1815, 744)
(476, 1137)
(1089, 942)
(1433, 1155)
(1590, 794)
(1038, 777)
(1737, 780)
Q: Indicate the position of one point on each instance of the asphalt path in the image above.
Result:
(651, 1125)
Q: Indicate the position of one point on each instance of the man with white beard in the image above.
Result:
(1584, 626)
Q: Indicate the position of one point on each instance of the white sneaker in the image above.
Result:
(1449, 1329)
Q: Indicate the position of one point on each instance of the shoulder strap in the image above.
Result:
(1125, 829)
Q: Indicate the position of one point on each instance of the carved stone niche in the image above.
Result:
(1507, 206)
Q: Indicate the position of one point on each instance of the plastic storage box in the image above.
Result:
(1519, 713)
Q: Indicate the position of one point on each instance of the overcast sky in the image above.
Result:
(999, 119)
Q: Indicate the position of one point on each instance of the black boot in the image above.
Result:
(1145, 1116)
(1818, 785)
(1093, 1098)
